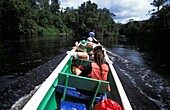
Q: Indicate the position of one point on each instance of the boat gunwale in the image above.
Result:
(36, 99)
(125, 101)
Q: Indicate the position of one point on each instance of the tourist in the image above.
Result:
(97, 69)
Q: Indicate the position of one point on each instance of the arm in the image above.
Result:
(83, 71)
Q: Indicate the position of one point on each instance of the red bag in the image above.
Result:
(107, 104)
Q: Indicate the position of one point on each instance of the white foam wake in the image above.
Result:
(23, 100)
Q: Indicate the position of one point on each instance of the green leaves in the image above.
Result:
(24, 16)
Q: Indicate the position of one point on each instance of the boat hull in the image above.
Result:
(46, 97)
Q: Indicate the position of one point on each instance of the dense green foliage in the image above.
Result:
(155, 28)
(40, 16)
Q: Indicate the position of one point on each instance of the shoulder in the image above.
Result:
(105, 66)
(94, 64)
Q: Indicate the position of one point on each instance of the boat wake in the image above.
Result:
(146, 84)
(18, 92)
(23, 100)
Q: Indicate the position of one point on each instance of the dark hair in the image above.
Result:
(99, 58)
(97, 48)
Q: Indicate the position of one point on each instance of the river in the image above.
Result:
(27, 62)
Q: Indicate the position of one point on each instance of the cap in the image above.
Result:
(83, 41)
(91, 34)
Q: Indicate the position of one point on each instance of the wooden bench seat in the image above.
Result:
(83, 83)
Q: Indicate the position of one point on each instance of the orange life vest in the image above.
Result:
(95, 73)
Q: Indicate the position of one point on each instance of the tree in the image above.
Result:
(17, 16)
(55, 6)
(25, 16)
(88, 16)
(158, 3)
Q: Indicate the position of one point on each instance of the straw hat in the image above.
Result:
(81, 47)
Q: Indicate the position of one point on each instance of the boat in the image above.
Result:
(62, 88)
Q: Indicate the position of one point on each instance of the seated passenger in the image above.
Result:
(97, 69)
(90, 45)
(80, 51)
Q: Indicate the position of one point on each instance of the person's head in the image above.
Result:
(97, 48)
(89, 39)
(99, 56)
(81, 48)
(91, 34)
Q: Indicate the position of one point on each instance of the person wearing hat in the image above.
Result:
(83, 48)
(90, 42)
(92, 34)
(80, 51)
(90, 45)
